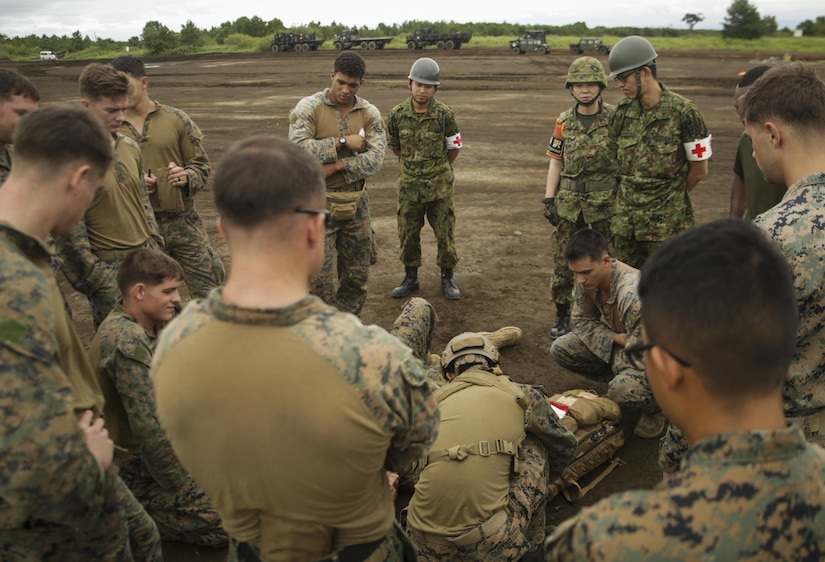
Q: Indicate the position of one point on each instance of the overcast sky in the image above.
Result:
(121, 20)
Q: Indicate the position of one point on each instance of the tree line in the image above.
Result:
(742, 22)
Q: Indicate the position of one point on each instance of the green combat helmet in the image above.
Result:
(586, 69)
(631, 53)
(425, 71)
(469, 348)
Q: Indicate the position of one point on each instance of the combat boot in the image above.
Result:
(562, 324)
(408, 284)
(448, 286)
(504, 337)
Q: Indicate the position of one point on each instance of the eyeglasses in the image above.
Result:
(622, 78)
(309, 211)
(636, 353)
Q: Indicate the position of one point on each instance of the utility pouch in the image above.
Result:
(342, 205)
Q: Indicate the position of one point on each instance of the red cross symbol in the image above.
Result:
(457, 142)
(698, 150)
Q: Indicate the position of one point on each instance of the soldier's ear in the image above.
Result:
(670, 371)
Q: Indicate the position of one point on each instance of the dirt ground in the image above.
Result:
(506, 106)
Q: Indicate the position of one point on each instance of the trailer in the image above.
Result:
(426, 37)
(352, 38)
(297, 42)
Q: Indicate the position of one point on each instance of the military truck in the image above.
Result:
(585, 45)
(426, 36)
(534, 40)
(297, 42)
(351, 38)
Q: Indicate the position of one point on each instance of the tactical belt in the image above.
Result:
(810, 424)
(357, 186)
(188, 204)
(474, 535)
(586, 186)
(353, 553)
(482, 449)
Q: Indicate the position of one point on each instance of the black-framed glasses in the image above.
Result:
(636, 353)
(622, 78)
(309, 211)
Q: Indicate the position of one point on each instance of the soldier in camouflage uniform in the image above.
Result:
(663, 152)
(481, 492)
(120, 218)
(750, 488)
(61, 496)
(347, 135)
(177, 168)
(423, 133)
(18, 96)
(581, 178)
(786, 127)
(605, 322)
(121, 352)
(294, 446)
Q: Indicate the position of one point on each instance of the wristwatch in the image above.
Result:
(343, 141)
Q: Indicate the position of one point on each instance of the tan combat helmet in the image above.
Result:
(469, 348)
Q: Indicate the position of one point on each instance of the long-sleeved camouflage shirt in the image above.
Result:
(752, 496)
(596, 322)
(170, 135)
(652, 202)
(121, 352)
(797, 226)
(303, 124)
(50, 484)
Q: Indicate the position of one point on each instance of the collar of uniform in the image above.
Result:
(746, 447)
(359, 102)
(28, 243)
(226, 311)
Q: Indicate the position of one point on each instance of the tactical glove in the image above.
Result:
(550, 211)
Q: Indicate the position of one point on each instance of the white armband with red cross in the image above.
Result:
(453, 142)
(698, 150)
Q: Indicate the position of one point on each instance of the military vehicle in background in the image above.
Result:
(426, 36)
(533, 40)
(352, 38)
(585, 45)
(297, 42)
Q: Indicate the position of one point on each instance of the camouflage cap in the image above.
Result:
(586, 69)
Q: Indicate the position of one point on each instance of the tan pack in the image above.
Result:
(343, 204)
(596, 421)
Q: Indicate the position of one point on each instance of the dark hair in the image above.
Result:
(130, 65)
(12, 83)
(147, 266)
(721, 296)
(586, 243)
(102, 81)
(58, 134)
(751, 75)
(792, 93)
(264, 177)
(351, 64)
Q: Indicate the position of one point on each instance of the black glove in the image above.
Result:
(550, 211)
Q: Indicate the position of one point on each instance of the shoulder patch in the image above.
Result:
(12, 331)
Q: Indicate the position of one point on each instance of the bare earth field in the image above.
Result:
(506, 106)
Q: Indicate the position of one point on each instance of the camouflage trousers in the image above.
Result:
(107, 539)
(561, 282)
(631, 251)
(104, 299)
(144, 537)
(441, 216)
(395, 547)
(184, 514)
(348, 244)
(523, 529)
(625, 385)
(188, 242)
(673, 445)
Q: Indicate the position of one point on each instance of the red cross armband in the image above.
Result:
(698, 150)
(453, 142)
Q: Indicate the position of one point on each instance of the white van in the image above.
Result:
(48, 55)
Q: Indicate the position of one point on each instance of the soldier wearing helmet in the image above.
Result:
(663, 152)
(423, 133)
(581, 178)
(481, 492)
